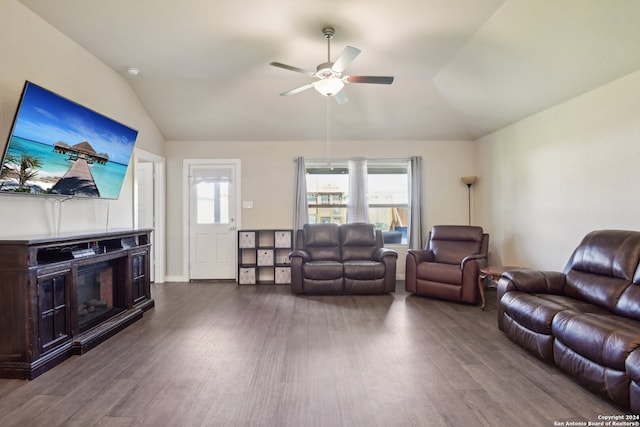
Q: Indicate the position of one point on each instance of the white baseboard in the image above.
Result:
(175, 279)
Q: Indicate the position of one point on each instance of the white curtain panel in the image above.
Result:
(357, 205)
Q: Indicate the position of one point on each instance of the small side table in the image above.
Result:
(492, 273)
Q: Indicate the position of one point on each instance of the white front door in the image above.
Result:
(212, 221)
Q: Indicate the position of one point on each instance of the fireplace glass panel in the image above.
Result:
(96, 294)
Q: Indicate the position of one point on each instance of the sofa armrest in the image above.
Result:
(481, 259)
(300, 253)
(298, 257)
(533, 281)
(420, 255)
(381, 253)
(413, 258)
(530, 281)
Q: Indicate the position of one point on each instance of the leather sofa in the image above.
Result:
(342, 259)
(585, 320)
(449, 265)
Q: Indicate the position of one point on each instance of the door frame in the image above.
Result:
(186, 194)
(158, 249)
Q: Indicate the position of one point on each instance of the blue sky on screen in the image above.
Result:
(48, 118)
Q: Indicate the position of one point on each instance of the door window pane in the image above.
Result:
(212, 202)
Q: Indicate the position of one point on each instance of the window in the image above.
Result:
(212, 202)
(388, 195)
(210, 193)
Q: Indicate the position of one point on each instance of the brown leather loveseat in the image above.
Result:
(585, 320)
(342, 259)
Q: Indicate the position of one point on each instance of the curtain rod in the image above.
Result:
(402, 159)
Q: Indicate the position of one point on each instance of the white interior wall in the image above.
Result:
(544, 182)
(559, 174)
(268, 173)
(31, 49)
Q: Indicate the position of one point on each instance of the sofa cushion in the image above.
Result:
(538, 343)
(534, 312)
(605, 381)
(357, 235)
(604, 291)
(333, 286)
(322, 270)
(602, 338)
(363, 270)
(602, 270)
(614, 253)
(451, 243)
(629, 302)
(437, 272)
(368, 286)
(358, 241)
(322, 242)
(632, 365)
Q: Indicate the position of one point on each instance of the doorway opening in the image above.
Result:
(149, 206)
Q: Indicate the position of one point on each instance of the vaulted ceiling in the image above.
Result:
(462, 68)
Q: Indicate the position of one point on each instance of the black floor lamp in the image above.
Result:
(469, 180)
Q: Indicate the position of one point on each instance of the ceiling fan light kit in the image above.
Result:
(330, 80)
(329, 87)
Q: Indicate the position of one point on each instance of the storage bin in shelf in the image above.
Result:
(265, 257)
(247, 276)
(283, 239)
(283, 275)
(246, 239)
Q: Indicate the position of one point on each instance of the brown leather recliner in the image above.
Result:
(342, 259)
(585, 320)
(449, 266)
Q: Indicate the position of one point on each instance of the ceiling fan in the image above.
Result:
(329, 74)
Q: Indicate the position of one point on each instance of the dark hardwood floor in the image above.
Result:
(215, 354)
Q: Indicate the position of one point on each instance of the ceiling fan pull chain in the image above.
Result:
(328, 146)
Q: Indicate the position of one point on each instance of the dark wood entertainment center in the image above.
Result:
(61, 296)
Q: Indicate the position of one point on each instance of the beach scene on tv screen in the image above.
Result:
(59, 147)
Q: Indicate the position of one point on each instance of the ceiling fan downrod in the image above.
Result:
(328, 32)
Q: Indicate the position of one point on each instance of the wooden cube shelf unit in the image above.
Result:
(63, 295)
(263, 257)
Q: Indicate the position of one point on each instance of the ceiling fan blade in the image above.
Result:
(341, 97)
(383, 80)
(346, 57)
(298, 89)
(291, 68)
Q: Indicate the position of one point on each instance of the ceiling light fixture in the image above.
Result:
(329, 86)
(133, 71)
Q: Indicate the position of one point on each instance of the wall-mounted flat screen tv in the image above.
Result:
(59, 147)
